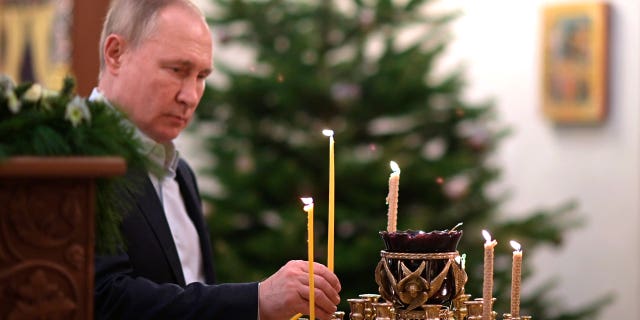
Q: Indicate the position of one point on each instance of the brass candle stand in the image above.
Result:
(419, 270)
(461, 308)
(415, 281)
(420, 276)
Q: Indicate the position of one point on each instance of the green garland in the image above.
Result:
(39, 122)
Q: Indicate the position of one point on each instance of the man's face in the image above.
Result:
(161, 81)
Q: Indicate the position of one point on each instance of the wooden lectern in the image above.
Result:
(47, 208)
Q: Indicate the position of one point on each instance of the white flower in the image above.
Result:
(13, 102)
(33, 94)
(6, 82)
(77, 110)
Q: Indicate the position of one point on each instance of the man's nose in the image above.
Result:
(189, 92)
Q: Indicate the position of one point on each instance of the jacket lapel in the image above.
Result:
(150, 206)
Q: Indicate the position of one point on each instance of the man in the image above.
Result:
(155, 57)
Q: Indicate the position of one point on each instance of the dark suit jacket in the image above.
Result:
(145, 281)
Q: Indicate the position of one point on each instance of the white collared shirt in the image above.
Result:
(183, 231)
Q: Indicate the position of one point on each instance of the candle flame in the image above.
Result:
(486, 235)
(308, 203)
(327, 132)
(394, 166)
(515, 245)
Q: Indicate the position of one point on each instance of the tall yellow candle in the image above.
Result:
(392, 197)
(308, 207)
(487, 288)
(330, 241)
(516, 275)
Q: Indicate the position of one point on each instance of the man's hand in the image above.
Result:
(286, 292)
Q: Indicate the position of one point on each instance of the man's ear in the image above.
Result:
(114, 48)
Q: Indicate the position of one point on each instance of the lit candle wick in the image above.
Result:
(486, 235)
(394, 167)
(515, 245)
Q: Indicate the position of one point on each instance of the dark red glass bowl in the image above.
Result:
(417, 241)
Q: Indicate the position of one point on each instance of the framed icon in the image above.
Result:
(574, 62)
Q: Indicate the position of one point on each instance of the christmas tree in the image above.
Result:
(368, 71)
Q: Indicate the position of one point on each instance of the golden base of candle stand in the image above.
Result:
(357, 308)
(432, 311)
(474, 309)
(384, 311)
(369, 310)
(459, 308)
(411, 280)
(420, 276)
(338, 315)
(447, 314)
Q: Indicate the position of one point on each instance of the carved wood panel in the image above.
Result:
(46, 248)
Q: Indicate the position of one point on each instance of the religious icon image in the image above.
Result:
(574, 62)
(569, 79)
(35, 40)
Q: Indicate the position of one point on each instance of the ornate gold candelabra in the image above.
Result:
(420, 276)
(418, 282)
(420, 270)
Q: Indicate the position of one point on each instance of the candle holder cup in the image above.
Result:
(420, 268)
(369, 310)
(460, 309)
(474, 308)
(383, 311)
(357, 308)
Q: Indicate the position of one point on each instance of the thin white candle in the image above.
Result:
(516, 275)
(487, 288)
(392, 197)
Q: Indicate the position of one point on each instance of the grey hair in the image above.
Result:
(135, 20)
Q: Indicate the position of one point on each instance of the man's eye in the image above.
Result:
(177, 70)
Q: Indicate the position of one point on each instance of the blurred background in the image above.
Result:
(452, 90)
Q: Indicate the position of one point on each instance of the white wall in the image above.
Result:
(498, 41)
